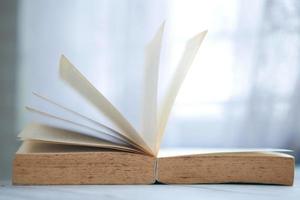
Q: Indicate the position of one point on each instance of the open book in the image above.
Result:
(78, 149)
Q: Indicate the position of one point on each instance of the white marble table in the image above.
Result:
(153, 192)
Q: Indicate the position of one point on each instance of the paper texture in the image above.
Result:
(72, 76)
(151, 67)
(59, 109)
(116, 130)
(45, 133)
(173, 152)
(34, 146)
(61, 122)
(187, 58)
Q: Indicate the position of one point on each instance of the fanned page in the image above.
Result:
(61, 116)
(120, 134)
(44, 117)
(186, 61)
(48, 134)
(78, 116)
(34, 146)
(151, 68)
(71, 75)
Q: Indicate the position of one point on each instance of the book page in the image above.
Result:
(45, 133)
(151, 67)
(44, 117)
(174, 152)
(71, 75)
(35, 146)
(57, 109)
(186, 61)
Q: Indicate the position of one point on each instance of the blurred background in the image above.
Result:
(243, 89)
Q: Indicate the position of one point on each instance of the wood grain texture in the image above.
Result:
(227, 168)
(83, 168)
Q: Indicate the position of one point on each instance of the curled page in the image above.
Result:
(151, 67)
(71, 75)
(75, 115)
(64, 123)
(45, 133)
(187, 58)
(38, 146)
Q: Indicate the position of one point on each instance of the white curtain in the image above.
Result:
(242, 89)
(104, 39)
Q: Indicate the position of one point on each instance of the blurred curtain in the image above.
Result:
(246, 84)
(273, 110)
(104, 39)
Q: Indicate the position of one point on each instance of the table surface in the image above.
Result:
(153, 192)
